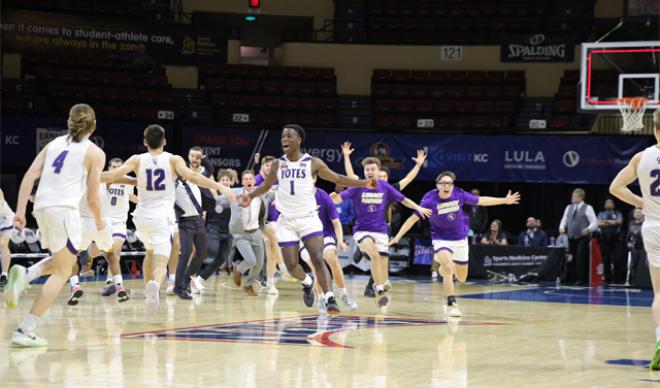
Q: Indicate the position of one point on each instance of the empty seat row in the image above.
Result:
(266, 72)
(458, 106)
(252, 86)
(274, 102)
(445, 122)
(446, 91)
(139, 96)
(450, 76)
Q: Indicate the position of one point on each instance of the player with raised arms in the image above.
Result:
(449, 229)
(299, 219)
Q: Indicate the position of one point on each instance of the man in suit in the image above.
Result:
(533, 236)
(579, 222)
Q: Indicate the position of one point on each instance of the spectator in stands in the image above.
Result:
(634, 240)
(579, 222)
(496, 234)
(533, 236)
(234, 176)
(609, 222)
(478, 217)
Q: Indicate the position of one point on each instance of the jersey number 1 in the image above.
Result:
(293, 192)
(155, 185)
(58, 163)
(655, 186)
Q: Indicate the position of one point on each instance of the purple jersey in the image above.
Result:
(449, 221)
(370, 206)
(327, 212)
(273, 214)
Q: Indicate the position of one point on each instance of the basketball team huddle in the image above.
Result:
(77, 204)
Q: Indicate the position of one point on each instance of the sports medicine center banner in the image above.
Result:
(537, 48)
(170, 43)
(537, 159)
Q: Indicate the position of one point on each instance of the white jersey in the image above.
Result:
(104, 202)
(64, 176)
(119, 196)
(5, 210)
(295, 190)
(156, 187)
(648, 173)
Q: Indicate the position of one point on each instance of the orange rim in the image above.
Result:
(635, 103)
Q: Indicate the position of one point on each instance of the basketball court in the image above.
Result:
(509, 335)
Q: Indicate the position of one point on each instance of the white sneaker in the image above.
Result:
(320, 305)
(198, 283)
(349, 302)
(152, 296)
(195, 287)
(27, 340)
(16, 285)
(387, 285)
(271, 289)
(170, 289)
(453, 311)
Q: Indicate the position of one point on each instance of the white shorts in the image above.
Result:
(329, 244)
(651, 237)
(459, 248)
(7, 224)
(118, 228)
(155, 234)
(102, 238)
(290, 231)
(60, 227)
(380, 239)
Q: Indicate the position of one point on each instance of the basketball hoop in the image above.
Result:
(632, 110)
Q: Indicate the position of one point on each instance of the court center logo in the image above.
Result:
(309, 330)
(571, 159)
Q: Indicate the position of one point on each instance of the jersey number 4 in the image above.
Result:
(155, 179)
(655, 186)
(58, 163)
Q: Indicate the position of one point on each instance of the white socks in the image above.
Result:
(118, 280)
(170, 278)
(4, 274)
(29, 324)
(342, 291)
(328, 295)
(307, 281)
(74, 281)
(380, 288)
(34, 271)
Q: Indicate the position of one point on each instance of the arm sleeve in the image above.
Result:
(348, 194)
(564, 218)
(593, 221)
(426, 202)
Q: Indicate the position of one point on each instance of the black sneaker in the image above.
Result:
(383, 299)
(3, 282)
(331, 306)
(308, 293)
(182, 293)
(369, 289)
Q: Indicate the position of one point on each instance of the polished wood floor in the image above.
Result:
(227, 339)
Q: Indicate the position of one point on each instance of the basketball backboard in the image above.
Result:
(614, 70)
